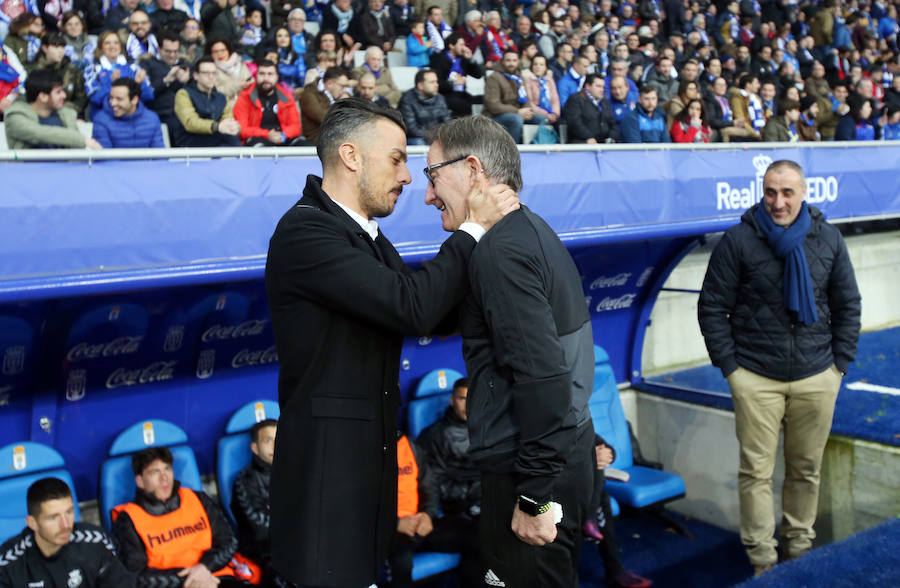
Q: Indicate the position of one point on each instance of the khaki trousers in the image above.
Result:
(761, 406)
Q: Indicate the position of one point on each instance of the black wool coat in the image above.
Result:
(341, 304)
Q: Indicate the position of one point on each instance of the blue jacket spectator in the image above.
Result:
(291, 66)
(620, 68)
(646, 123)
(855, 125)
(124, 122)
(417, 50)
(571, 82)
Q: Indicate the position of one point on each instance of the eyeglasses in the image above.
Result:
(429, 171)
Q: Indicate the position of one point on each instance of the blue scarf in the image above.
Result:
(865, 131)
(787, 244)
(34, 47)
(377, 74)
(342, 17)
(544, 100)
(455, 67)
(522, 97)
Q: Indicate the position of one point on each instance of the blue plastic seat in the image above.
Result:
(431, 563)
(646, 486)
(436, 382)
(22, 464)
(233, 451)
(430, 399)
(116, 477)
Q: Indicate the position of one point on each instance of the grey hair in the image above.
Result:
(786, 163)
(472, 15)
(374, 50)
(486, 140)
(295, 12)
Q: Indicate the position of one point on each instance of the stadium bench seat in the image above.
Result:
(404, 77)
(116, 478)
(647, 486)
(430, 399)
(233, 451)
(22, 464)
(428, 405)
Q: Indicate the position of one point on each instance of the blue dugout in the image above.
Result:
(132, 289)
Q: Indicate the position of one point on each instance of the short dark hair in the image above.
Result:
(432, 8)
(134, 88)
(345, 119)
(144, 457)
(646, 89)
(786, 104)
(53, 39)
(452, 39)
(589, 79)
(40, 81)
(167, 35)
(204, 59)
(43, 490)
(461, 383)
(257, 427)
(420, 75)
(333, 73)
(561, 45)
(265, 63)
(746, 79)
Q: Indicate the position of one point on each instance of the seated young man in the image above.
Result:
(250, 497)
(54, 550)
(171, 535)
(420, 529)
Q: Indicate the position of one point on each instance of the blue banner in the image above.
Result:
(79, 218)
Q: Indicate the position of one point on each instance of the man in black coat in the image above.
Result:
(250, 496)
(529, 353)
(342, 300)
(453, 66)
(168, 73)
(422, 107)
(780, 313)
(589, 115)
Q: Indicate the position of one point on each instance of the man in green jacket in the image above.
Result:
(782, 127)
(42, 120)
(53, 57)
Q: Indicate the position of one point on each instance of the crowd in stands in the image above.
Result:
(595, 71)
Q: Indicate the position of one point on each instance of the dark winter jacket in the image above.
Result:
(132, 550)
(742, 313)
(140, 129)
(529, 353)
(250, 506)
(446, 444)
(587, 121)
(421, 114)
(88, 560)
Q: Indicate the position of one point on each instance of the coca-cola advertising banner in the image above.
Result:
(121, 341)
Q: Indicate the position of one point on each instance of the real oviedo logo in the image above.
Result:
(819, 189)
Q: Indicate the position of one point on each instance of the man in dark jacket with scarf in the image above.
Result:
(780, 313)
(589, 115)
(342, 300)
(250, 498)
(125, 122)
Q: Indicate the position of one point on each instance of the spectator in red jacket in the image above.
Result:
(690, 125)
(267, 114)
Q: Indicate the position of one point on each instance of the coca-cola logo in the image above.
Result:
(246, 357)
(610, 303)
(249, 328)
(118, 346)
(610, 281)
(155, 372)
